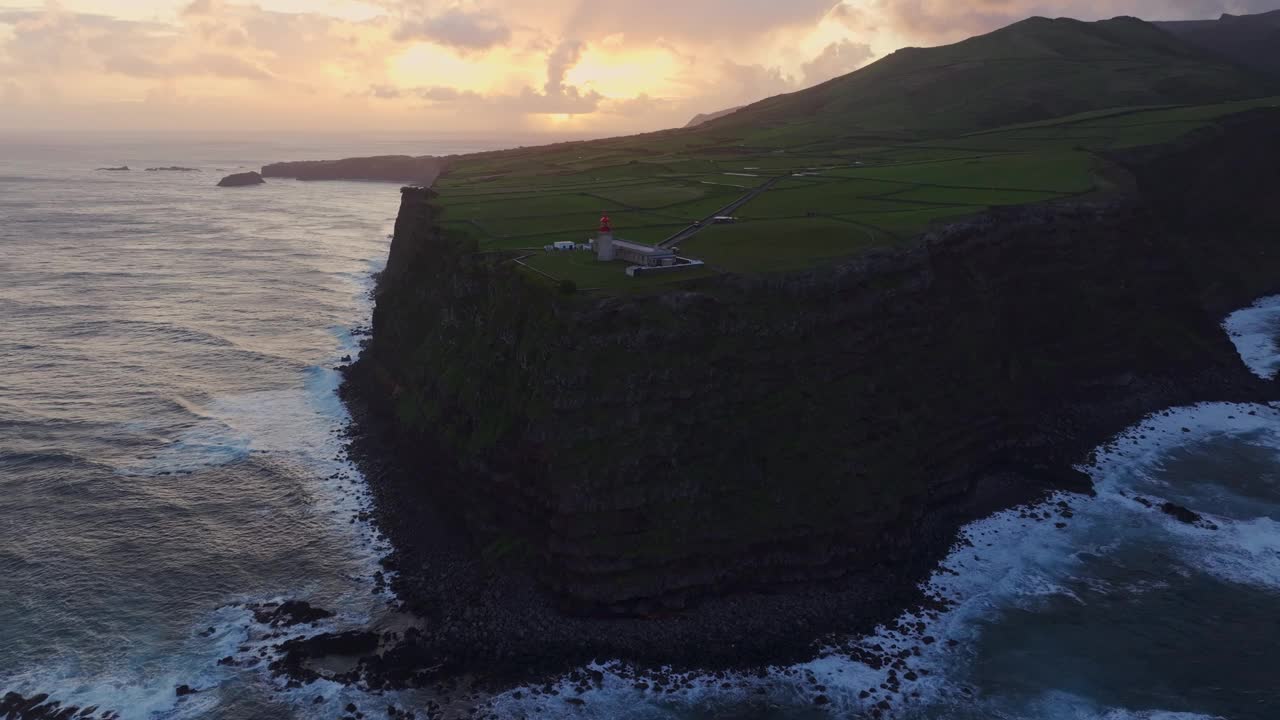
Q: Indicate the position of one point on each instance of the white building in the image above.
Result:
(609, 248)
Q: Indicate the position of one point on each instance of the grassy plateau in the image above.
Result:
(829, 172)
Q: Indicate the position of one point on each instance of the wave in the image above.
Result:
(1254, 331)
(1014, 561)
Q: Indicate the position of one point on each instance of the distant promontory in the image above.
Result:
(385, 168)
(241, 180)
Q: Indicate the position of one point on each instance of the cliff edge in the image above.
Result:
(634, 454)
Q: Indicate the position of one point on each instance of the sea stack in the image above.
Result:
(241, 180)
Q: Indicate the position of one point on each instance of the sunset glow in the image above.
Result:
(456, 65)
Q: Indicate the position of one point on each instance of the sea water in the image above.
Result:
(169, 447)
(170, 453)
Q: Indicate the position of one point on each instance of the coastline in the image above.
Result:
(495, 627)
(486, 620)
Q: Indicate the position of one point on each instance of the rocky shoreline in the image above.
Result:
(487, 619)
(484, 627)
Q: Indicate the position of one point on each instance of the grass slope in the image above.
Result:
(1032, 70)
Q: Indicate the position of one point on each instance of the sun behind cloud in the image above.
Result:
(607, 66)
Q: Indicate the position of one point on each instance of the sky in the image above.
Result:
(586, 67)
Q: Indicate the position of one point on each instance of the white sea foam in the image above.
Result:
(1065, 706)
(1010, 561)
(1254, 331)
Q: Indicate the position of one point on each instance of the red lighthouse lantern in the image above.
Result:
(605, 224)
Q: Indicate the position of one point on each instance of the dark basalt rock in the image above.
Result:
(346, 644)
(288, 614)
(122, 168)
(183, 690)
(39, 707)
(172, 168)
(1180, 513)
(296, 655)
(241, 180)
(1185, 515)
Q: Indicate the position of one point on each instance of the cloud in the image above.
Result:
(616, 65)
(469, 30)
(641, 105)
(385, 92)
(562, 59)
(11, 93)
(837, 59)
(755, 81)
(567, 101)
(699, 21)
(198, 8)
(227, 66)
(940, 21)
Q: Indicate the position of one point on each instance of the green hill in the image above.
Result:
(1252, 41)
(1033, 70)
(1022, 115)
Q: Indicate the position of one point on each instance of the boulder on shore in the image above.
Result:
(241, 180)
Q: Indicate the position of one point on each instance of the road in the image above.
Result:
(729, 209)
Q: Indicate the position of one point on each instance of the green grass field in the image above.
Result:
(832, 196)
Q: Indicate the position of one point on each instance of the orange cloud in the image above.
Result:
(611, 65)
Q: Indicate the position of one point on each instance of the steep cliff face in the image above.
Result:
(640, 451)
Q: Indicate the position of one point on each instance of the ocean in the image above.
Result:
(171, 454)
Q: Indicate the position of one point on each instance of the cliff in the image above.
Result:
(639, 452)
(386, 168)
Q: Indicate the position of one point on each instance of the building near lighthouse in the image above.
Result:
(641, 259)
(609, 248)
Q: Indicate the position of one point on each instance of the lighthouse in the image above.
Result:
(604, 240)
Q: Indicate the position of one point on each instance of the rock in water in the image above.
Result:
(288, 613)
(241, 180)
(1189, 517)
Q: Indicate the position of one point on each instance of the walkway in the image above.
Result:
(729, 209)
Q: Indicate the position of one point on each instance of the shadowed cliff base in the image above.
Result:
(933, 384)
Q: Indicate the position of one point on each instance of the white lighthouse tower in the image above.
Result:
(604, 241)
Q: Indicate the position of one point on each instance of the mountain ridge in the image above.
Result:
(1252, 41)
(999, 79)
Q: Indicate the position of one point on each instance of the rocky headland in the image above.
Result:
(722, 474)
(241, 180)
(384, 168)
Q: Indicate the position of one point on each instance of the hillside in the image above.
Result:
(701, 118)
(1252, 41)
(1033, 70)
